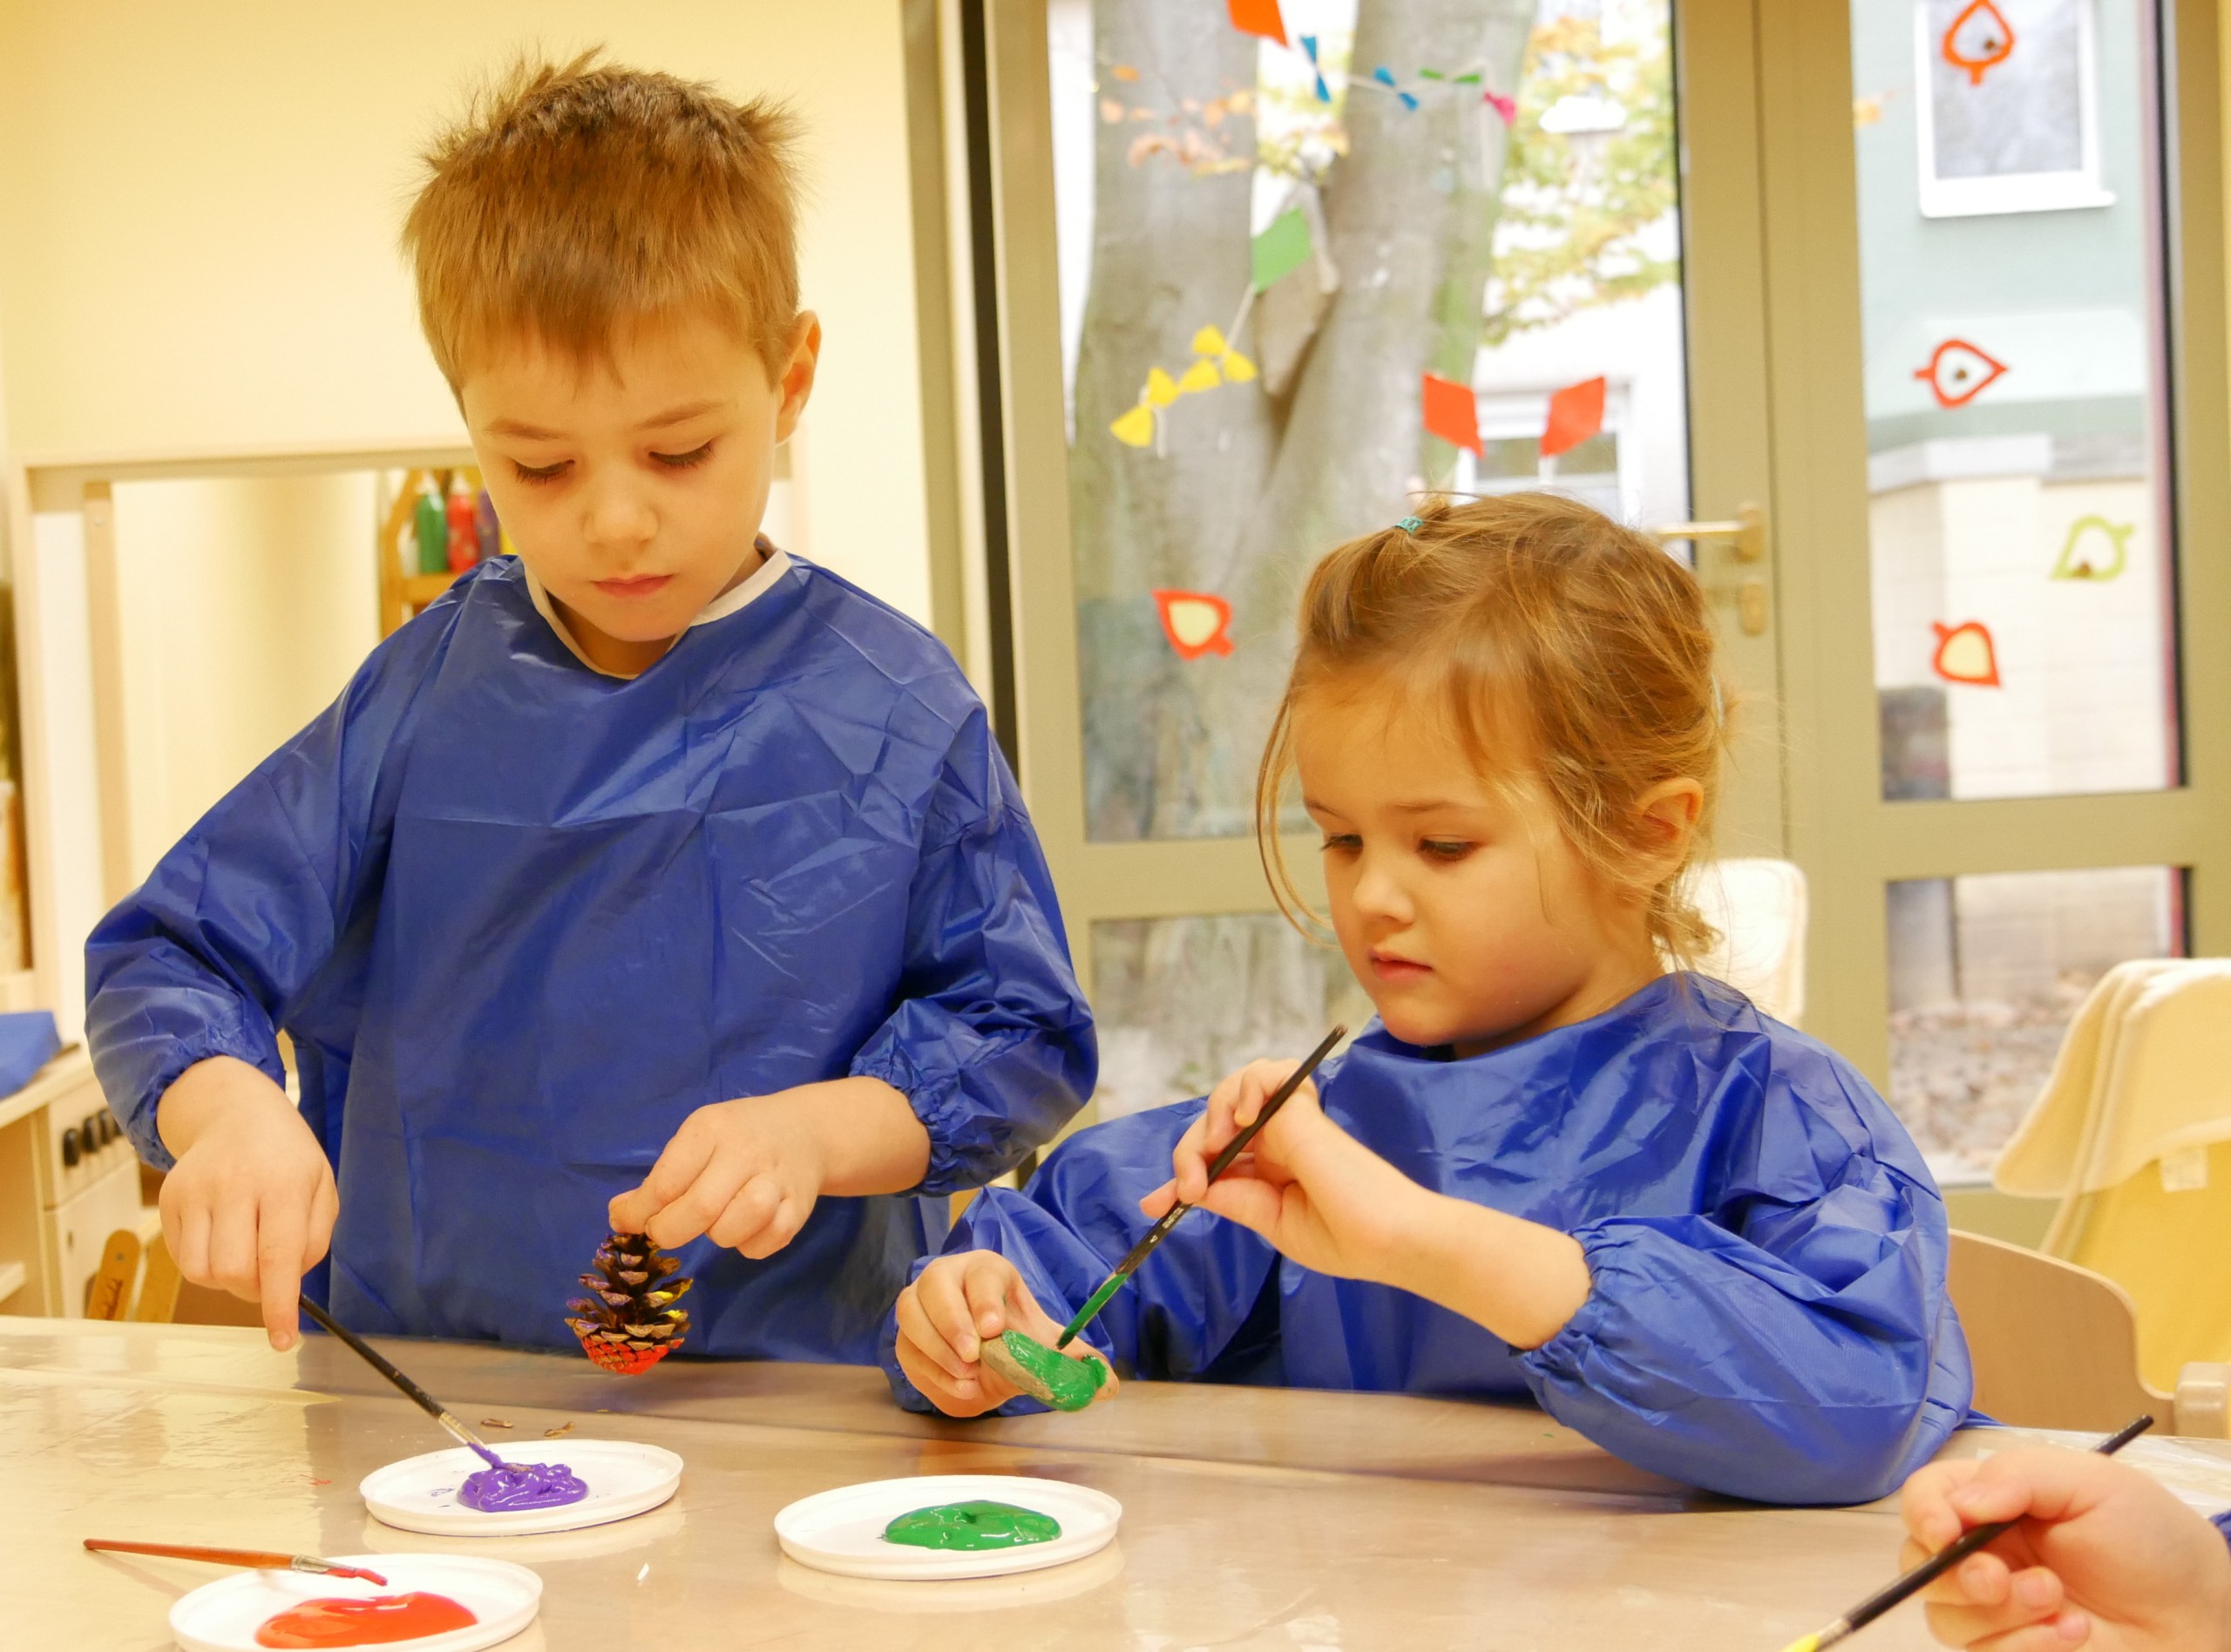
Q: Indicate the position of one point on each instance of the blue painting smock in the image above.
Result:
(1768, 1317)
(521, 919)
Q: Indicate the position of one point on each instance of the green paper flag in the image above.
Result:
(1281, 249)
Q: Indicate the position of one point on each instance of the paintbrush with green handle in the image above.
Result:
(1218, 1166)
(1942, 1561)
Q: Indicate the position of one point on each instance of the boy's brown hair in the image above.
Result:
(1557, 643)
(574, 200)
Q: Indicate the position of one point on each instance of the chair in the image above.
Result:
(108, 1293)
(2056, 1346)
(2131, 1134)
(1758, 908)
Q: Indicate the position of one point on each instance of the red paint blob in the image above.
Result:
(375, 1621)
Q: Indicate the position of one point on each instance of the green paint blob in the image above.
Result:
(972, 1526)
(1046, 1374)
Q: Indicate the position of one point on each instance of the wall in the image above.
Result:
(199, 205)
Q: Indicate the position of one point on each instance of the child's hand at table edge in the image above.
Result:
(747, 1172)
(249, 1206)
(2104, 1556)
(955, 1306)
(1327, 1202)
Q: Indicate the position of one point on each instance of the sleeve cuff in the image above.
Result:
(140, 1122)
(938, 1102)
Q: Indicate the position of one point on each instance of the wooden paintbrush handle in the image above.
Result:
(262, 1559)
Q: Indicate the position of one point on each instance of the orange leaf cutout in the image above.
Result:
(1966, 653)
(1195, 622)
(1979, 40)
(1959, 372)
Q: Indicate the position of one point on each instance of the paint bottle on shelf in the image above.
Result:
(431, 530)
(463, 549)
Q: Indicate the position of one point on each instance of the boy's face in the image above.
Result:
(633, 487)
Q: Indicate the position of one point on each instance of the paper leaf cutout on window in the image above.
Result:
(2095, 549)
(1979, 40)
(1966, 653)
(1195, 622)
(1959, 372)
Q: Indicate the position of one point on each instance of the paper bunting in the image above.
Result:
(1316, 70)
(1281, 249)
(1136, 428)
(1965, 654)
(1385, 76)
(1575, 413)
(1959, 372)
(1432, 80)
(1214, 362)
(2095, 549)
(1195, 622)
(1259, 18)
(1451, 413)
(1979, 40)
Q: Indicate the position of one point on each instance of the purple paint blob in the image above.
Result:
(521, 1486)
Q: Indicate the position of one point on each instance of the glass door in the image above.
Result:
(1999, 433)
(1266, 271)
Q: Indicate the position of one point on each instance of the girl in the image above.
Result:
(1550, 1166)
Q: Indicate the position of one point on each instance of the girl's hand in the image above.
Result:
(1316, 1193)
(946, 1316)
(2104, 1557)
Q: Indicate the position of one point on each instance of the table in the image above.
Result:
(1253, 1518)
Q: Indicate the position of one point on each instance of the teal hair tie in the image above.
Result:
(1409, 524)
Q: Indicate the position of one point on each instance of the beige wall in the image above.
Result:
(197, 208)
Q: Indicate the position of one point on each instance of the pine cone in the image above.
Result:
(629, 1323)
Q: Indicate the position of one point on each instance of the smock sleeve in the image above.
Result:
(991, 1041)
(1186, 1308)
(1795, 1345)
(204, 958)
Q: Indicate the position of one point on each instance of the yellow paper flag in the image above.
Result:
(1202, 376)
(1209, 341)
(1237, 368)
(1136, 428)
(1162, 390)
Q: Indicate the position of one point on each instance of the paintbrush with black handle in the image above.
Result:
(419, 1396)
(1218, 1166)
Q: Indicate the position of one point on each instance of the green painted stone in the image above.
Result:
(1046, 1374)
(972, 1526)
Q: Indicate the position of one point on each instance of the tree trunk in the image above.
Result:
(1170, 256)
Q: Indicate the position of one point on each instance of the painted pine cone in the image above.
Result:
(629, 1323)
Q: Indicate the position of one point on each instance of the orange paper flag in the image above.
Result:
(1259, 18)
(1195, 622)
(1450, 412)
(1575, 413)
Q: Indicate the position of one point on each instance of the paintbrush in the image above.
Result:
(1218, 1166)
(419, 1396)
(262, 1559)
(1942, 1561)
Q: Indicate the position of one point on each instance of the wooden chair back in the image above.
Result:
(2056, 1346)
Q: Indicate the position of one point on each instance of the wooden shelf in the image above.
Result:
(419, 589)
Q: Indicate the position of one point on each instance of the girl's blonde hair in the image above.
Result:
(1558, 643)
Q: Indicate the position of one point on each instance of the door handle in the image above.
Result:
(1745, 535)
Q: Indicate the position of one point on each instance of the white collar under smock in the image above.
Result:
(733, 600)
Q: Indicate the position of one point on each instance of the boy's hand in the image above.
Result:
(1316, 1193)
(2104, 1557)
(251, 1205)
(946, 1316)
(744, 1172)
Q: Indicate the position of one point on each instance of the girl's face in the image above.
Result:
(1462, 908)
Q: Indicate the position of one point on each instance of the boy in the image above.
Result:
(652, 836)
